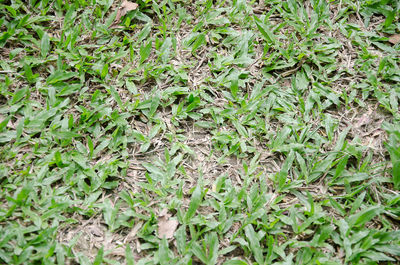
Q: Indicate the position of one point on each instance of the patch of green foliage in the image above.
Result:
(257, 125)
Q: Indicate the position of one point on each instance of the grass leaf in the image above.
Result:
(194, 203)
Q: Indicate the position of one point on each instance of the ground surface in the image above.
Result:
(204, 132)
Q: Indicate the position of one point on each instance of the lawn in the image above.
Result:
(226, 132)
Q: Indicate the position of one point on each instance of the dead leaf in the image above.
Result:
(164, 213)
(126, 6)
(138, 246)
(166, 227)
(394, 39)
(95, 230)
(133, 232)
(365, 119)
(118, 252)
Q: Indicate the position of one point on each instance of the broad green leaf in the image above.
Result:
(45, 45)
(282, 175)
(199, 41)
(19, 129)
(110, 213)
(103, 144)
(235, 262)
(364, 216)
(58, 159)
(163, 252)
(29, 74)
(390, 249)
(104, 71)
(337, 206)
(199, 252)
(213, 245)
(389, 18)
(99, 257)
(145, 50)
(4, 123)
(58, 76)
(23, 194)
(115, 95)
(155, 102)
(341, 166)
(180, 236)
(240, 128)
(129, 256)
(90, 145)
(19, 95)
(265, 31)
(357, 203)
(144, 33)
(234, 88)
(255, 246)
(65, 134)
(194, 203)
(395, 158)
(7, 136)
(396, 174)
(377, 256)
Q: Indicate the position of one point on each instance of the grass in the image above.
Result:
(199, 132)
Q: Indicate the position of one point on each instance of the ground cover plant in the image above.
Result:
(199, 132)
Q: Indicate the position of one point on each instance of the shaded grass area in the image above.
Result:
(204, 132)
